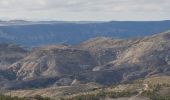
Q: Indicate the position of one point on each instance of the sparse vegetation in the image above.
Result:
(4, 97)
(38, 97)
(102, 94)
(153, 94)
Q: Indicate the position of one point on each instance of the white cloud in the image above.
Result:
(85, 9)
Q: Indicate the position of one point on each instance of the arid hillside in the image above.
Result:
(101, 60)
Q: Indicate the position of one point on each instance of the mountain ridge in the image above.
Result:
(51, 32)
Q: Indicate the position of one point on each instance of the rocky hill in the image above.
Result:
(54, 61)
(101, 60)
(9, 54)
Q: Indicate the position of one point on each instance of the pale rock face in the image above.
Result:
(54, 61)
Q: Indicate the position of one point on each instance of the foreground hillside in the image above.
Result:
(153, 88)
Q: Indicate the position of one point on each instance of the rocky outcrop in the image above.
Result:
(53, 61)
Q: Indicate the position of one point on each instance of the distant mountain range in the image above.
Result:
(29, 33)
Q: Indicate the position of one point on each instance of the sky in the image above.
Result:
(85, 10)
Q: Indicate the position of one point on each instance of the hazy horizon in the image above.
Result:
(81, 20)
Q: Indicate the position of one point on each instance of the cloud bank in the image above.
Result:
(85, 9)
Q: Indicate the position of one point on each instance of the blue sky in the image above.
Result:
(86, 10)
